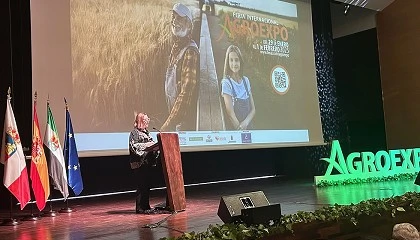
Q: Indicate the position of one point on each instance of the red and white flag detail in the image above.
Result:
(15, 172)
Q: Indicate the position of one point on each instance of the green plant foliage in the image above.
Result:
(387, 207)
(396, 177)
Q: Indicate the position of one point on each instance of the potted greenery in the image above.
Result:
(370, 216)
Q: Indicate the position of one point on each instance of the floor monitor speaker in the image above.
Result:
(246, 207)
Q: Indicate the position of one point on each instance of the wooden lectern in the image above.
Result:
(172, 170)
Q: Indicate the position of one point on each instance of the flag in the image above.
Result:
(55, 158)
(39, 167)
(71, 157)
(15, 173)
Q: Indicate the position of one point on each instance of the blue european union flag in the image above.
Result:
(71, 157)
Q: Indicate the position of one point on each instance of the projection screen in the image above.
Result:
(109, 59)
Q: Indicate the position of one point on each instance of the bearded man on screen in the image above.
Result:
(181, 83)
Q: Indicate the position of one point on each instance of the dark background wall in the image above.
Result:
(340, 118)
(356, 66)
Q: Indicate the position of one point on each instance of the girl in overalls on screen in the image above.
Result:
(236, 91)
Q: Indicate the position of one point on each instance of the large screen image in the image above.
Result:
(222, 74)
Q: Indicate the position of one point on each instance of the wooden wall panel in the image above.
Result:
(398, 28)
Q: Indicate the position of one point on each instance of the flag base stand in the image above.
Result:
(67, 210)
(11, 222)
(50, 213)
(31, 217)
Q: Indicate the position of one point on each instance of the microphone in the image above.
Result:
(156, 129)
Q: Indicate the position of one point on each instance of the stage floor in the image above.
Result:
(113, 217)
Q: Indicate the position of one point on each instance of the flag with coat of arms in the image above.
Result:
(54, 153)
(39, 167)
(15, 172)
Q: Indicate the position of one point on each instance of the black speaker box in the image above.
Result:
(262, 215)
(255, 204)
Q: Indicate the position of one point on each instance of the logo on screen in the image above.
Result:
(209, 139)
(182, 140)
(220, 138)
(280, 79)
(195, 139)
(246, 137)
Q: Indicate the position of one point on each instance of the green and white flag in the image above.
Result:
(54, 154)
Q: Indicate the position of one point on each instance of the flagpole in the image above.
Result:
(31, 217)
(70, 155)
(11, 221)
(38, 168)
(54, 154)
(15, 159)
(67, 209)
(51, 212)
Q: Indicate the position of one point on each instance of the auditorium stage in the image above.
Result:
(113, 217)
